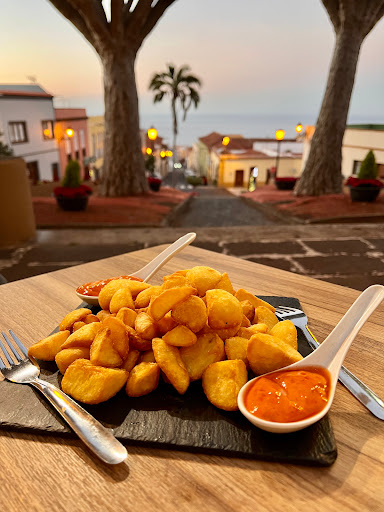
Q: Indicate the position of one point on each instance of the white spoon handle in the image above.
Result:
(332, 351)
(149, 270)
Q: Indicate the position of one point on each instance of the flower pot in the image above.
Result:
(72, 204)
(364, 193)
(285, 183)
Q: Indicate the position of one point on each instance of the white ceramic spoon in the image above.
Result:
(330, 355)
(152, 267)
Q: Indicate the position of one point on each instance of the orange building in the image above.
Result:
(71, 133)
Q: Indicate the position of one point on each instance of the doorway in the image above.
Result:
(55, 171)
(33, 172)
(239, 178)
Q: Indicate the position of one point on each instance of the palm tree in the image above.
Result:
(181, 87)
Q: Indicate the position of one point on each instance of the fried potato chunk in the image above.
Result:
(222, 382)
(143, 379)
(103, 313)
(74, 316)
(119, 335)
(245, 322)
(108, 291)
(90, 319)
(147, 357)
(286, 331)
(167, 300)
(203, 278)
(242, 294)
(47, 348)
(77, 326)
(122, 298)
(92, 384)
(83, 337)
(265, 316)
(138, 343)
(66, 357)
(236, 348)
(180, 336)
(225, 284)
(165, 324)
(192, 313)
(248, 309)
(131, 360)
(174, 281)
(145, 326)
(103, 352)
(224, 310)
(127, 316)
(209, 348)
(169, 360)
(144, 297)
(267, 353)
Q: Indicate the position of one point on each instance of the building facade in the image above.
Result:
(358, 140)
(27, 121)
(96, 130)
(71, 132)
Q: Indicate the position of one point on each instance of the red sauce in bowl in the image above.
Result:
(289, 396)
(93, 289)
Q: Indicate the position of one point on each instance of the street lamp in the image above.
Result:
(279, 135)
(299, 128)
(148, 151)
(70, 132)
(225, 141)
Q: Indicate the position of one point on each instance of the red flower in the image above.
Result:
(289, 179)
(81, 191)
(357, 182)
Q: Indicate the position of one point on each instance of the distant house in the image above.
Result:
(27, 120)
(71, 131)
(96, 131)
(243, 159)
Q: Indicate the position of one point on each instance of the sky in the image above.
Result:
(257, 57)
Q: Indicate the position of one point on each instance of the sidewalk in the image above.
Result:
(149, 210)
(337, 208)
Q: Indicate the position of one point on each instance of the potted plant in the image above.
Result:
(72, 195)
(154, 181)
(366, 186)
(285, 183)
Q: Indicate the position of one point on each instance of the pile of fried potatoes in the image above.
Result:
(194, 326)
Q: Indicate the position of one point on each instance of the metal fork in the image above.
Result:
(26, 371)
(358, 389)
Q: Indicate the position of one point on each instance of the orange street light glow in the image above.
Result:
(225, 141)
(47, 132)
(152, 134)
(149, 151)
(168, 153)
(299, 128)
(70, 132)
(280, 134)
(162, 154)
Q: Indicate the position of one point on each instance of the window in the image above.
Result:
(18, 132)
(356, 167)
(82, 139)
(77, 155)
(47, 127)
(84, 151)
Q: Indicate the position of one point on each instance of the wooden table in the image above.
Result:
(49, 473)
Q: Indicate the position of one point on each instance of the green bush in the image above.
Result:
(150, 163)
(72, 175)
(194, 180)
(368, 169)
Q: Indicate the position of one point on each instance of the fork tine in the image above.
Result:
(6, 353)
(18, 343)
(2, 365)
(15, 353)
(288, 309)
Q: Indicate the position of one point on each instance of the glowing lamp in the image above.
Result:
(225, 141)
(162, 154)
(280, 134)
(152, 134)
(168, 153)
(47, 132)
(148, 151)
(299, 128)
(70, 132)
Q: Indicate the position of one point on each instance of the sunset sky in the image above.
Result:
(253, 56)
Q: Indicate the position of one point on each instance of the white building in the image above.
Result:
(27, 126)
(358, 140)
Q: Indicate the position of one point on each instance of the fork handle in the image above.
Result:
(359, 390)
(98, 438)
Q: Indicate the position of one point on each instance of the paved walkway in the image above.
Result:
(350, 255)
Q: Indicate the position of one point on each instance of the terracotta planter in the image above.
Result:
(364, 193)
(72, 204)
(285, 184)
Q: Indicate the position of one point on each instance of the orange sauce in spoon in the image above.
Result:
(92, 289)
(288, 396)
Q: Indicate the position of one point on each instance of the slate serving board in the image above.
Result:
(165, 419)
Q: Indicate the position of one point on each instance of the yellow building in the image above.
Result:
(96, 142)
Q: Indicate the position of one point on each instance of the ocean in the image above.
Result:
(249, 125)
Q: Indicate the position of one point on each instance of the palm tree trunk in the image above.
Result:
(322, 173)
(174, 116)
(123, 172)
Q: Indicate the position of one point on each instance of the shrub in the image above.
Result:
(194, 180)
(72, 175)
(368, 169)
